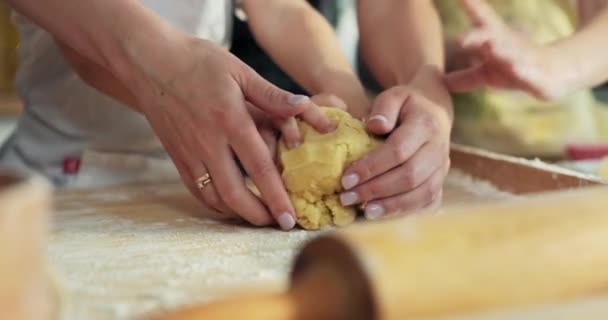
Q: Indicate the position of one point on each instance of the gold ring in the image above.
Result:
(203, 181)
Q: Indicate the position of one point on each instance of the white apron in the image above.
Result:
(79, 137)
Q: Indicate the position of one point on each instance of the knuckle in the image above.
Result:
(431, 123)
(225, 118)
(369, 192)
(232, 195)
(390, 205)
(398, 151)
(364, 168)
(408, 177)
(262, 169)
(271, 94)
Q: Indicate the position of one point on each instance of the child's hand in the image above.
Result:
(359, 109)
(508, 60)
(329, 100)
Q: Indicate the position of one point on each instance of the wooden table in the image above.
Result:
(124, 252)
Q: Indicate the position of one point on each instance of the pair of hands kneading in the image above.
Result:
(330, 173)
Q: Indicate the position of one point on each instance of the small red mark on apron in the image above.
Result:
(71, 165)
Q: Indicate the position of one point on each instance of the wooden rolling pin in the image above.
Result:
(543, 249)
(26, 292)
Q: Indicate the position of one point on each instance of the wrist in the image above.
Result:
(428, 81)
(348, 88)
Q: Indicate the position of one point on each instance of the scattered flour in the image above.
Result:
(129, 252)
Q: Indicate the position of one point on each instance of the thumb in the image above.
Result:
(386, 109)
(271, 99)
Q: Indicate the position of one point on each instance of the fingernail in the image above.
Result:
(286, 221)
(293, 145)
(378, 117)
(349, 198)
(350, 180)
(373, 211)
(297, 99)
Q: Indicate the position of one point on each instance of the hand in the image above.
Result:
(202, 106)
(408, 170)
(507, 59)
(329, 100)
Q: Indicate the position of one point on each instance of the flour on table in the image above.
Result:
(123, 253)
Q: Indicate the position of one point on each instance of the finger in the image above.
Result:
(280, 103)
(290, 131)
(317, 119)
(329, 100)
(187, 178)
(265, 124)
(249, 147)
(473, 40)
(481, 13)
(268, 97)
(421, 197)
(271, 140)
(266, 127)
(207, 192)
(386, 109)
(401, 179)
(188, 181)
(466, 80)
(191, 167)
(230, 185)
(397, 149)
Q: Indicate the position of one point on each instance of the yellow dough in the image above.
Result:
(312, 171)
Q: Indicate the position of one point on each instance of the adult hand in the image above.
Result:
(266, 127)
(201, 108)
(507, 59)
(407, 171)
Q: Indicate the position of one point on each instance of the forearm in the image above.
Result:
(305, 46)
(117, 35)
(399, 36)
(579, 61)
(98, 77)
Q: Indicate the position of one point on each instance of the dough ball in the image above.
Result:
(313, 170)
